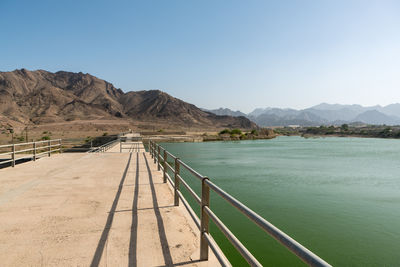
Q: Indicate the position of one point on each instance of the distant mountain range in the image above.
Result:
(322, 114)
(40, 97)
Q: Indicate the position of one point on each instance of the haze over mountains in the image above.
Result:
(39, 97)
(322, 114)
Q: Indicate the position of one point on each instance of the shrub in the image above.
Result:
(236, 131)
(254, 132)
(46, 137)
(105, 134)
(225, 131)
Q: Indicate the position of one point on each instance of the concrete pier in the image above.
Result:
(94, 209)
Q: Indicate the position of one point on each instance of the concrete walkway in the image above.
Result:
(98, 209)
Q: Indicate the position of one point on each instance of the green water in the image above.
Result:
(339, 197)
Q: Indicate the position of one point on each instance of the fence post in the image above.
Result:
(151, 148)
(49, 144)
(158, 157)
(34, 151)
(177, 172)
(13, 155)
(155, 153)
(165, 166)
(60, 144)
(205, 201)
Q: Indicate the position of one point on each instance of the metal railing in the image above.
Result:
(37, 149)
(105, 147)
(161, 155)
(131, 146)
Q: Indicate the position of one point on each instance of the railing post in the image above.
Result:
(205, 201)
(177, 172)
(158, 157)
(60, 145)
(165, 166)
(120, 146)
(150, 149)
(13, 155)
(155, 152)
(49, 144)
(34, 151)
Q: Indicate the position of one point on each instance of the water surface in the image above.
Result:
(340, 197)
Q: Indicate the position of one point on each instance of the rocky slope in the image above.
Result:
(43, 97)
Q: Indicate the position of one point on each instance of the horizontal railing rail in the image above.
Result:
(37, 149)
(130, 145)
(160, 156)
(105, 147)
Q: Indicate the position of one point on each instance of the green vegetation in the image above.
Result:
(254, 132)
(46, 137)
(225, 131)
(237, 134)
(377, 131)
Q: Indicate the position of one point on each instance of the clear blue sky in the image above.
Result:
(236, 54)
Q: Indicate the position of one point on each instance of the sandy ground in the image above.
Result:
(99, 209)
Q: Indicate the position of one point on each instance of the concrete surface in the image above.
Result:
(98, 209)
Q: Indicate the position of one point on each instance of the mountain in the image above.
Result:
(43, 97)
(288, 117)
(326, 114)
(391, 110)
(376, 117)
(227, 112)
(258, 111)
(341, 114)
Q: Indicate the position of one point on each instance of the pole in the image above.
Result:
(34, 151)
(49, 147)
(205, 201)
(165, 166)
(177, 172)
(158, 158)
(13, 155)
(155, 152)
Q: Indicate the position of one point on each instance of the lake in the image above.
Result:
(339, 197)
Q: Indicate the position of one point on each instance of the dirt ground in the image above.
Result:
(80, 130)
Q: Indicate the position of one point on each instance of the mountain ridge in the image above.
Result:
(44, 97)
(324, 114)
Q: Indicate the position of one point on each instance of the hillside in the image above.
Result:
(37, 97)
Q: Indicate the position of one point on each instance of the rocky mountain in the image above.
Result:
(327, 114)
(226, 112)
(42, 97)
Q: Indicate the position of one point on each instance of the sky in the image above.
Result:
(216, 53)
